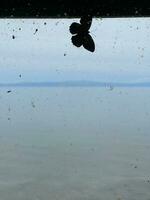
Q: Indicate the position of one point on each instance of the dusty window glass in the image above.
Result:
(74, 124)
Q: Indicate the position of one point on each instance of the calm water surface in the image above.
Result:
(75, 143)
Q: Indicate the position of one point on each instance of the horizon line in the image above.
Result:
(76, 83)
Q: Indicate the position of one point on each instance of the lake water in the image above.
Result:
(75, 143)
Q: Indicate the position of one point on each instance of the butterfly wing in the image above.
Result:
(86, 22)
(75, 28)
(88, 43)
(77, 40)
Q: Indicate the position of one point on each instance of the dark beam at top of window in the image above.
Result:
(73, 8)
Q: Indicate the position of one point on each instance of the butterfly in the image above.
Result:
(81, 34)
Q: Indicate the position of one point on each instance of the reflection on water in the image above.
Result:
(74, 143)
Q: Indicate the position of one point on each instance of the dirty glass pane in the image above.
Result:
(74, 123)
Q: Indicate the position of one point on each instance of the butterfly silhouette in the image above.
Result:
(81, 34)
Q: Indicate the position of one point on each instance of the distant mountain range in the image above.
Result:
(76, 84)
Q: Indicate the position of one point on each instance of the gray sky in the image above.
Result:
(122, 51)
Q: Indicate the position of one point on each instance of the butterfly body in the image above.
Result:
(81, 34)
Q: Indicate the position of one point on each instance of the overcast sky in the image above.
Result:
(122, 51)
